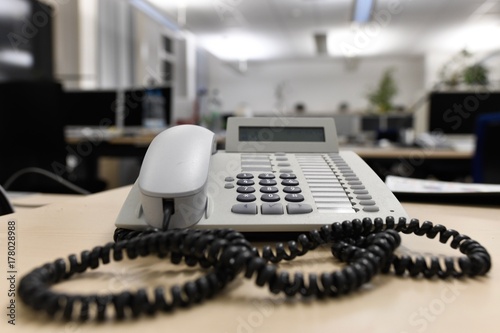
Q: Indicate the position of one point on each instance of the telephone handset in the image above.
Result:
(175, 169)
(275, 175)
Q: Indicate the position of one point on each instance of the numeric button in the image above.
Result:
(267, 182)
(246, 197)
(290, 182)
(270, 197)
(245, 182)
(245, 189)
(292, 189)
(244, 176)
(294, 197)
(269, 189)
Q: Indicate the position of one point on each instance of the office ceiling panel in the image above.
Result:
(277, 29)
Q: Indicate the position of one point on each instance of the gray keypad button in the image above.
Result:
(298, 208)
(352, 179)
(229, 179)
(354, 182)
(371, 209)
(360, 192)
(286, 170)
(288, 176)
(244, 176)
(246, 197)
(269, 189)
(245, 189)
(358, 187)
(290, 182)
(284, 164)
(367, 203)
(270, 197)
(281, 159)
(364, 197)
(267, 182)
(294, 197)
(266, 176)
(248, 208)
(228, 185)
(348, 174)
(245, 182)
(275, 208)
(292, 189)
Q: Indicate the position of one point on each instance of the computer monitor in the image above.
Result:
(89, 107)
(134, 105)
(98, 107)
(386, 122)
(456, 112)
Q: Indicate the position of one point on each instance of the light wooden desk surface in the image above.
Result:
(388, 304)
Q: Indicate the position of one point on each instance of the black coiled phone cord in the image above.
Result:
(366, 246)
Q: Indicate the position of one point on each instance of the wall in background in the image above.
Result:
(321, 84)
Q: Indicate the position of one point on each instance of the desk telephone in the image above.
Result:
(276, 175)
(193, 204)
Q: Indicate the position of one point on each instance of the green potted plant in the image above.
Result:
(476, 74)
(381, 98)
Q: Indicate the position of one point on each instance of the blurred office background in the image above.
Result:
(387, 70)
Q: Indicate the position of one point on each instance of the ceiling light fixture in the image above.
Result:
(362, 10)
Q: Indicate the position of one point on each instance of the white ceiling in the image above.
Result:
(277, 29)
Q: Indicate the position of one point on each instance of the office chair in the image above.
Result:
(486, 160)
(32, 136)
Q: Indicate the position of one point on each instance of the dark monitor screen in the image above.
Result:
(98, 107)
(456, 113)
(89, 108)
(389, 122)
(134, 105)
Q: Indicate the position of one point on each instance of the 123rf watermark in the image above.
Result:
(11, 272)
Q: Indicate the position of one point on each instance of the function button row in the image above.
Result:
(271, 208)
(269, 197)
(364, 197)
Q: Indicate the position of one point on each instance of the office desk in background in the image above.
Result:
(94, 145)
(388, 304)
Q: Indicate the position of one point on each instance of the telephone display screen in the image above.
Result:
(281, 134)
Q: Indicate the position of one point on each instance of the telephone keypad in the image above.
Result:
(332, 186)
